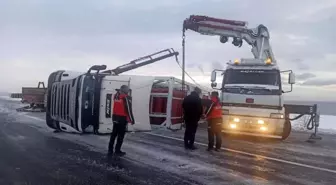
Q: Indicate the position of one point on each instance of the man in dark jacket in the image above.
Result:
(192, 110)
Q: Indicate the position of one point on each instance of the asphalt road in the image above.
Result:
(32, 154)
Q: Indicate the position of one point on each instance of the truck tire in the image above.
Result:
(52, 123)
(286, 130)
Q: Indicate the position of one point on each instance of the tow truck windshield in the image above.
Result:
(247, 81)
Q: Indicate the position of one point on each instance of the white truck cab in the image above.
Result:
(252, 98)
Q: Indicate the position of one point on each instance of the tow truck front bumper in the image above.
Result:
(253, 126)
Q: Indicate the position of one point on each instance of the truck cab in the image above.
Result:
(252, 98)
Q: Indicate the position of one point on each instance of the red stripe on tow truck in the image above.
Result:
(221, 27)
(249, 100)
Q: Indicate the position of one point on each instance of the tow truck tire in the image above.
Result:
(286, 130)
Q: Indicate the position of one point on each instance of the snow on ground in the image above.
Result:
(327, 123)
(10, 99)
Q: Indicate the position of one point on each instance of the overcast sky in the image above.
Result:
(41, 36)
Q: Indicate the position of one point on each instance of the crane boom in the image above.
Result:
(258, 37)
(142, 61)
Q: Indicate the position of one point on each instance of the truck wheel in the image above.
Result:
(286, 130)
(52, 123)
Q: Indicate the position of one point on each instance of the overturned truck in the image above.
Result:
(82, 102)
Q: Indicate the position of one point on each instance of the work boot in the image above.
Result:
(209, 149)
(109, 155)
(193, 148)
(120, 153)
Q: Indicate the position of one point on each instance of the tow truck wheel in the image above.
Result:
(286, 130)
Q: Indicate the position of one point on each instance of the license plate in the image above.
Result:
(248, 123)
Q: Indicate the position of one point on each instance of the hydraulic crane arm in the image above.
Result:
(258, 37)
(142, 61)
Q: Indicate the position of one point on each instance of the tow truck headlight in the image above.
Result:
(277, 115)
(236, 120)
(268, 61)
(263, 128)
(232, 125)
(261, 122)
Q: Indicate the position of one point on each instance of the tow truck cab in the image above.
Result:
(252, 98)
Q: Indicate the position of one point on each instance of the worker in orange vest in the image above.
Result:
(122, 114)
(213, 116)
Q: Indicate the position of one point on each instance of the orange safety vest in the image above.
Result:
(216, 109)
(119, 107)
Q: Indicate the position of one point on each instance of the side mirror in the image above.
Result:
(97, 68)
(213, 84)
(291, 78)
(213, 76)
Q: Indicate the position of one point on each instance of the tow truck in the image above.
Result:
(251, 90)
(82, 102)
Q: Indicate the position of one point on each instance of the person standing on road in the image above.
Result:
(214, 118)
(122, 114)
(192, 110)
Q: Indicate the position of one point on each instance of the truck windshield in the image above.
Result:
(247, 81)
(247, 76)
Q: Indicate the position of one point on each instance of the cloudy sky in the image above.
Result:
(41, 36)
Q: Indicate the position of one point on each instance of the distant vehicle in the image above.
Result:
(34, 96)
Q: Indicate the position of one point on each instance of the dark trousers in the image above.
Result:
(118, 132)
(190, 132)
(215, 130)
(95, 127)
